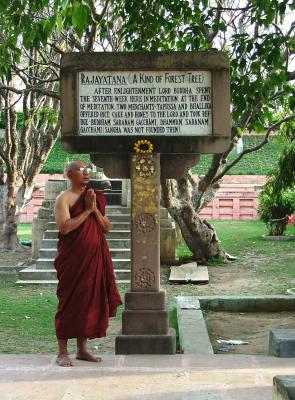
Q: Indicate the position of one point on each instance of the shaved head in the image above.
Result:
(74, 165)
(71, 166)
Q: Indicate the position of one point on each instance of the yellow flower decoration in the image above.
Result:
(143, 146)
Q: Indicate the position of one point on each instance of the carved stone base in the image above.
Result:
(145, 300)
(141, 322)
(146, 344)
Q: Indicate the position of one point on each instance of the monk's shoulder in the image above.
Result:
(64, 197)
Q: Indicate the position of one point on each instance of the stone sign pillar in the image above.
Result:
(145, 321)
(128, 110)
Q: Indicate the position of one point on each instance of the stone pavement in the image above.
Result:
(179, 377)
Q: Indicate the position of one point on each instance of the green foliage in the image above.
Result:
(255, 43)
(274, 208)
(277, 199)
(58, 157)
(260, 162)
(242, 237)
(35, 22)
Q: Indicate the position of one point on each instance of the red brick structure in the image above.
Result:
(237, 198)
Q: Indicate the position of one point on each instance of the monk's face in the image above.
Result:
(79, 175)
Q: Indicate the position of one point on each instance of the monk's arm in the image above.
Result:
(65, 223)
(103, 221)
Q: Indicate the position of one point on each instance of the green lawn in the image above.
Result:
(26, 313)
(237, 237)
(257, 163)
(24, 231)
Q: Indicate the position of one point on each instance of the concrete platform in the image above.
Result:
(189, 273)
(282, 342)
(284, 387)
(132, 377)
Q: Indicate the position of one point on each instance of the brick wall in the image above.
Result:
(31, 209)
(237, 198)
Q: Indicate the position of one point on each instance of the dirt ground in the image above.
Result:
(251, 274)
(249, 327)
(13, 259)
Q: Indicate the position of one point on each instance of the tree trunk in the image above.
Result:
(3, 202)
(10, 240)
(180, 199)
(199, 235)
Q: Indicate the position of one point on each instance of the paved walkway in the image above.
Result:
(180, 377)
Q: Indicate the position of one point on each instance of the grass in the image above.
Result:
(27, 313)
(173, 323)
(272, 262)
(260, 162)
(26, 319)
(237, 237)
(24, 231)
(257, 163)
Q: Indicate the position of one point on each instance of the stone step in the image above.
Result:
(119, 243)
(117, 210)
(119, 263)
(119, 234)
(49, 244)
(117, 225)
(113, 234)
(35, 274)
(113, 243)
(115, 252)
(120, 226)
(50, 234)
(120, 217)
(54, 282)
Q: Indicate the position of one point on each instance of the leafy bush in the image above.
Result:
(275, 208)
(257, 163)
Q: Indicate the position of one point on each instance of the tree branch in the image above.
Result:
(255, 148)
(208, 178)
(49, 93)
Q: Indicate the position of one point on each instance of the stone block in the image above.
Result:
(284, 387)
(168, 245)
(53, 188)
(145, 300)
(142, 322)
(282, 342)
(44, 213)
(146, 344)
(189, 273)
(38, 228)
(193, 334)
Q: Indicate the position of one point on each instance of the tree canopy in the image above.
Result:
(257, 36)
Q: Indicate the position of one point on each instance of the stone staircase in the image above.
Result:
(118, 240)
(44, 246)
(43, 272)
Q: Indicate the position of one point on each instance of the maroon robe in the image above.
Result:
(86, 290)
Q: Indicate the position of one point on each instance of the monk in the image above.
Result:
(86, 291)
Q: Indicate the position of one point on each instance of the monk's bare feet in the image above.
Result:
(84, 355)
(63, 360)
